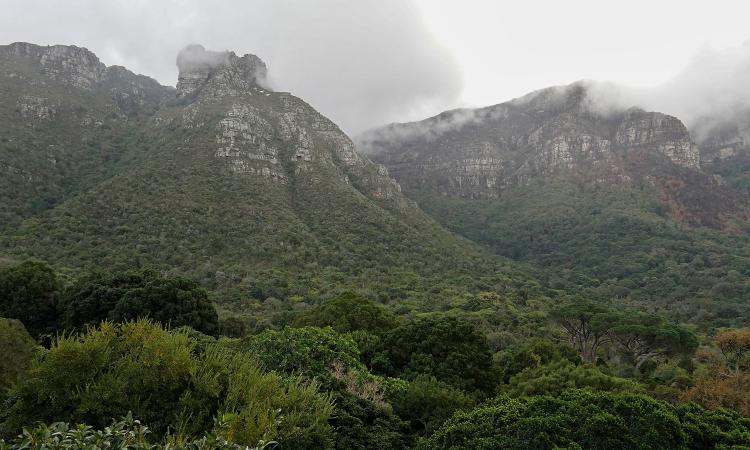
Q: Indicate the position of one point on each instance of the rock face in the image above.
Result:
(478, 153)
(217, 73)
(553, 135)
(258, 132)
(72, 65)
(79, 68)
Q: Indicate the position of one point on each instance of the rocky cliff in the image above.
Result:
(478, 153)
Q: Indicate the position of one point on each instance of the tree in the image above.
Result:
(575, 419)
(29, 293)
(449, 349)
(173, 301)
(720, 390)
(724, 383)
(644, 337)
(362, 424)
(426, 403)
(734, 346)
(588, 326)
(718, 428)
(348, 312)
(18, 350)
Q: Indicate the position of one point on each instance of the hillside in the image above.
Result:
(615, 203)
(222, 179)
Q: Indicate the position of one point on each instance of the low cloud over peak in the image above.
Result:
(361, 63)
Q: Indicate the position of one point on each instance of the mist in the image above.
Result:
(712, 92)
(361, 63)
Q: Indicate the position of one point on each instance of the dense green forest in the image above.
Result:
(143, 359)
(612, 242)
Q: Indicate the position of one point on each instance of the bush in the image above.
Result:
(138, 366)
(310, 351)
(126, 433)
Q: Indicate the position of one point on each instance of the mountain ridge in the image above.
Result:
(615, 203)
(224, 176)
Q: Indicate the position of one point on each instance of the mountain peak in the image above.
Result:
(205, 72)
(75, 65)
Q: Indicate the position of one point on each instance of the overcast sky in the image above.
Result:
(368, 62)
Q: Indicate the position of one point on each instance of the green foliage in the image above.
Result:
(643, 337)
(449, 349)
(575, 419)
(534, 353)
(348, 312)
(362, 424)
(28, 292)
(640, 336)
(613, 242)
(18, 350)
(426, 403)
(124, 434)
(559, 376)
(587, 324)
(720, 428)
(139, 367)
(309, 351)
(173, 301)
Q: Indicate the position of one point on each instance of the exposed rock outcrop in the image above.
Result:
(217, 73)
(79, 69)
(478, 153)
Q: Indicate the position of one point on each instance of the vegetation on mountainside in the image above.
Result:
(612, 243)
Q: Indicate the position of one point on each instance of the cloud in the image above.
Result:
(362, 63)
(712, 92)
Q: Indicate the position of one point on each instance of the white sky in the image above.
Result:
(369, 62)
(505, 49)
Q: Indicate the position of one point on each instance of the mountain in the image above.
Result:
(66, 121)
(221, 178)
(725, 147)
(617, 203)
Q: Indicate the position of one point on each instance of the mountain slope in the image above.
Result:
(226, 178)
(614, 203)
(66, 121)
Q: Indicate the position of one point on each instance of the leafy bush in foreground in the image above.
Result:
(125, 434)
(158, 375)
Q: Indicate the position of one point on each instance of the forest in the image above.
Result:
(146, 360)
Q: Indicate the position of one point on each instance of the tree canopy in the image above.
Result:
(348, 312)
(29, 293)
(121, 296)
(449, 349)
(591, 420)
